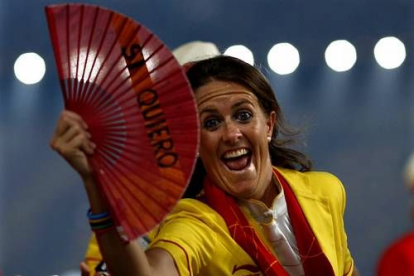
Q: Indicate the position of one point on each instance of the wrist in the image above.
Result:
(88, 180)
(100, 223)
(94, 193)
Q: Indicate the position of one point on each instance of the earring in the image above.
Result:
(269, 138)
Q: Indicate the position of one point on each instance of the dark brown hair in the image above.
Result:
(225, 68)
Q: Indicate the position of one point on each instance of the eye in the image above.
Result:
(211, 123)
(244, 116)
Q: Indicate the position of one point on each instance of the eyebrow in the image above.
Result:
(234, 106)
(208, 110)
(242, 102)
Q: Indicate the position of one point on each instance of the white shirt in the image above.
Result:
(276, 227)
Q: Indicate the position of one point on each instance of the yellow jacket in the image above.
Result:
(322, 199)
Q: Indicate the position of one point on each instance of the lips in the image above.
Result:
(237, 160)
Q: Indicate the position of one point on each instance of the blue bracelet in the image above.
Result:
(97, 216)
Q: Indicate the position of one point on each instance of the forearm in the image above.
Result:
(121, 258)
(71, 139)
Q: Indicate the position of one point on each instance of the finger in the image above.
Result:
(66, 129)
(68, 118)
(61, 142)
(84, 269)
(75, 146)
(82, 143)
(61, 126)
(74, 131)
(76, 117)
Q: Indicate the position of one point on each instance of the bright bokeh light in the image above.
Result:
(340, 55)
(389, 52)
(29, 68)
(283, 58)
(240, 52)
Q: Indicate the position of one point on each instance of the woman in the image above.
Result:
(261, 210)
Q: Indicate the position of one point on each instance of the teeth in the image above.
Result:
(236, 153)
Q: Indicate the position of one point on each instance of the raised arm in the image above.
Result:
(71, 140)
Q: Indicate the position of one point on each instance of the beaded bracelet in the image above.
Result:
(100, 223)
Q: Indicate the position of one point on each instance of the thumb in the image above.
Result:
(84, 269)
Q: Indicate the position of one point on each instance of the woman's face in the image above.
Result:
(234, 139)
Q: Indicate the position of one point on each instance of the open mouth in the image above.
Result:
(237, 160)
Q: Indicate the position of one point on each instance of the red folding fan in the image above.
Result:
(136, 100)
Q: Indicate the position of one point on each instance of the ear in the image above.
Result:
(271, 120)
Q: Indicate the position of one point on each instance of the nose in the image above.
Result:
(231, 133)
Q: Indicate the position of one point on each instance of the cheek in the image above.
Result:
(257, 134)
(207, 145)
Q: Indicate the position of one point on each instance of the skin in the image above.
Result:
(72, 141)
(231, 120)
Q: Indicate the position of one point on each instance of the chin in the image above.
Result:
(243, 190)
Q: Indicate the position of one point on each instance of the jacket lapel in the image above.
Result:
(316, 209)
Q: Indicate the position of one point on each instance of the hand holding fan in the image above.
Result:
(138, 105)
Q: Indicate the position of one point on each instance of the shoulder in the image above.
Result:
(191, 214)
(316, 185)
(191, 204)
(189, 235)
(320, 182)
(193, 207)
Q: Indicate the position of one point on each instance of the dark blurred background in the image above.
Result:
(359, 124)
